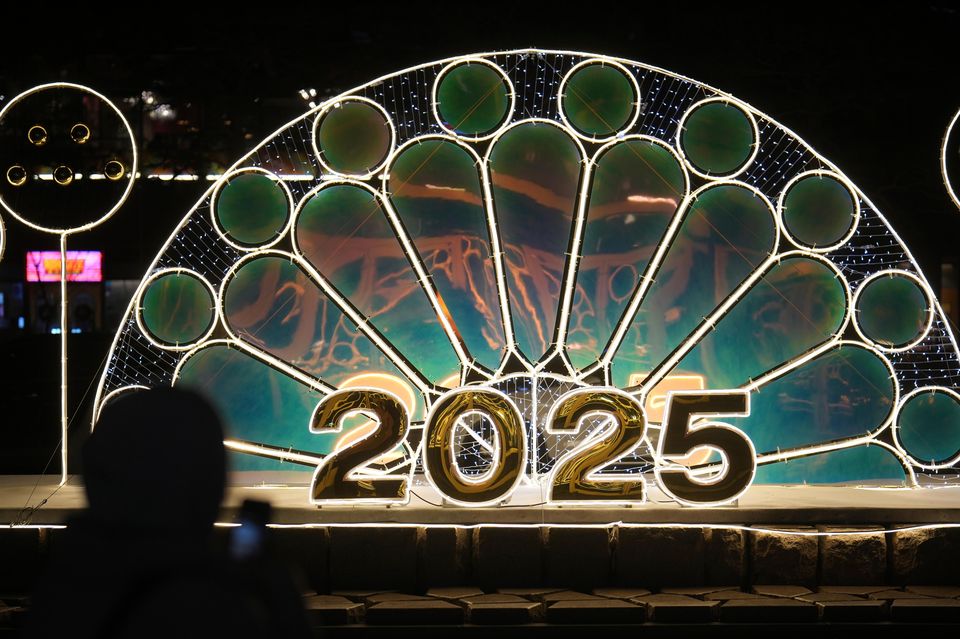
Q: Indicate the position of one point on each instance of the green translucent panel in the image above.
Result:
(726, 233)
(472, 99)
(598, 100)
(717, 138)
(256, 403)
(345, 235)
(849, 465)
(435, 189)
(929, 426)
(177, 308)
(797, 305)
(271, 304)
(892, 311)
(818, 210)
(635, 191)
(252, 208)
(846, 392)
(353, 138)
(535, 171)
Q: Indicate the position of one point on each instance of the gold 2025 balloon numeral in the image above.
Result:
(621, 425)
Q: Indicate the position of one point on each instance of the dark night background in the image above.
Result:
(872, 89)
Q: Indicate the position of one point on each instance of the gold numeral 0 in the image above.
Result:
(510, 455)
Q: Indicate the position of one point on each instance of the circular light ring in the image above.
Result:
(16, 175)
(113, 170)
(731, 102)
(37, 135)
(63, 175)
(177, 346)
(477, 137)
(224, 234)
(855, 218)
(80, 133)
(133, 149)
(898, 440)
(595, 160)
(337, 104)
(943, 160)
(924, 289)
(618, 131)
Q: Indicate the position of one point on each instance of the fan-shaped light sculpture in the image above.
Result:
(548, 267)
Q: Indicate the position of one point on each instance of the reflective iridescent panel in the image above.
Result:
(725, 235)
(928, 426)
(534, 174)
(717, 137)
(472, 99)
(871, 464)
(272, 305)
(435, 188)
(252, 208)
(818, 210)
(277, 413)
(798, 304)
(344, 233)
(635, 190)
(177, 308)
(843, 393)
(353, 137)
(892, 311)
(598, 99)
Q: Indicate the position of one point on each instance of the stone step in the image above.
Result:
(415, 613)
(596, 611)
(768, 611)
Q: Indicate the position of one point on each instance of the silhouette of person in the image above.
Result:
(139, 561)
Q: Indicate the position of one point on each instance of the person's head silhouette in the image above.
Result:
(156, 460)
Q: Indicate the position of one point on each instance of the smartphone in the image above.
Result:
(248, 540)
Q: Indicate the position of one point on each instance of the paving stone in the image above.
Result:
(393, 596)
(358, 595)
(853, 590)
(926, 556)
(492, 598)
(695, 591)
(817, 597)
(454, 592)
(943, 592)
(864, 610)
(429, 612)
(925, 610)
(507, 556)
(443, 556)
(506, 613)
(577, 557)
(621, 593)
(853, 559)
(596, 611)
(382, 557)
(659, 557)
(20, 558)
(783, 558)
(537, 594)
(892, 595)
(768, 611)
(731, 595)
(305, 552)
(568, 595)
(678, 609)
(781, 591)
(726, 556)
(329, 610)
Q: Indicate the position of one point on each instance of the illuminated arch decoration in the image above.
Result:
(560, 236)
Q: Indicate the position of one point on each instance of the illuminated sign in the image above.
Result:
(553, 277)
(82, 266)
